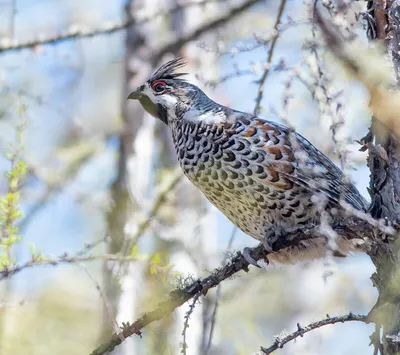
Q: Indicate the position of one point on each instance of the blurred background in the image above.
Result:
(102, 185)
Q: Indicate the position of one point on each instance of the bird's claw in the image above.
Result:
(270, 238)
(267, 244)
(248, 257)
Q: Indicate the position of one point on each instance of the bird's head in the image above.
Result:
(166, 95)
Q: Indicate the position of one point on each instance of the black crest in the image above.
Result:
(168, 70)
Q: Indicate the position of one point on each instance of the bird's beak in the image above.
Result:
(135, 95)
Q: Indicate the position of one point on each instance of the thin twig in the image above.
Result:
(103, 296)
(79, 257)
(174, 46)
(7, 273)
(260, 41)
(269, 59)
(62, 37)
(184, 345)
(144, 226)
(281, 341)
(55, 188)
(218, 296)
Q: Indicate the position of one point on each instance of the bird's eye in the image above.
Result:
(159, 86)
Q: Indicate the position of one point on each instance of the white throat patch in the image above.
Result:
(167, 100)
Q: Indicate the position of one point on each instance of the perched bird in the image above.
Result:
(264, 177)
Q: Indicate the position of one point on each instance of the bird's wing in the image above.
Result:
(298, 162)
(333, 176)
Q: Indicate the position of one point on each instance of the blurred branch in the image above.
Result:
(120, 193)
(384, 104)
(12, 18)
(79, 257)
(218, 296)
(190, 36)
(270, 57)
(282, 340)
(70, 35)
(63, 259)
(109, 29)
(384, 157)
(179, 296)
(159, 202)
(103, 296)
(260, 41)
(82, 154)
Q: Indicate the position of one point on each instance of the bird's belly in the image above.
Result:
(252, 205)
(240, 208)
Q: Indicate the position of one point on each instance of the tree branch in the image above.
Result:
(157, 205)
(80, 33)
(359, 229)
(63, 259)
(384, 104)
(178, 297)
(79, 257)
(62, 37)
(184, 345)
(190, 36)
(281, 341)
(269, 59)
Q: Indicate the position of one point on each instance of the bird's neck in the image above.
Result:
(210, 113)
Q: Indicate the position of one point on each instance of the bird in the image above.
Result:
(263, 176)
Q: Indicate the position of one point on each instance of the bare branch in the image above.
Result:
(218, 297)
(103, 296)
(383, 103)
(269, 59)
(79, 257)
(69, 35)
(144, 226)
(184, 345)
(281, 341)
(63, 260)
(190, 36)
(76, 33)
(178, 297)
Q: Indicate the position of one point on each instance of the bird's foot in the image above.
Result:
(246, 254)
(282, 234)
(271, 237)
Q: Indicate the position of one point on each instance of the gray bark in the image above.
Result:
(385, 193)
